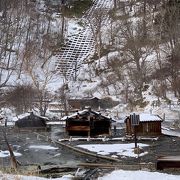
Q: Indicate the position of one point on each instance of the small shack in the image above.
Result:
(88, 123)
(93, 102)
(78, 104)
(31, 121)
(149, 125)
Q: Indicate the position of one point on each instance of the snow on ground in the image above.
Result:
(7, 154)
(119, 149)
(20, 177)
(136, 175)
(56, 123)
(55, 84)
(169, 132)
(115, 175)
(73, 26)
(45, 147)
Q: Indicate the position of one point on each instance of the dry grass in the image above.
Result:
(11, 174)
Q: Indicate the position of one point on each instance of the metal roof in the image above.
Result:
(149, 117)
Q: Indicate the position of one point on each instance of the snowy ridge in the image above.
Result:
(78, 48)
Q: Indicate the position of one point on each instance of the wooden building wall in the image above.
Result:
(31, 121)
(149, 128)
(82, 103)
(146, 128)
(91, 128)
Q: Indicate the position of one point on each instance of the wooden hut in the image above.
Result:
(78, 104)
(87, 123)
(93, 102)
(31, 121)
(149, 125)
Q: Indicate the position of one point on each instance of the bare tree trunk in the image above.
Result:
(14, 162)
(144, 19)
(115, 4)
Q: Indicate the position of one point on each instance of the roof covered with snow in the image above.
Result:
(149, 117)
(83, 112)
(21, 116)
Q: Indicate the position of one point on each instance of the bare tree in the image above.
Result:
(136, 49)
(41, 82)
(63, 96)
(21, 98)
(115, 4)
(9, 31)
(96, 24)
(168, 22)
(39, 76)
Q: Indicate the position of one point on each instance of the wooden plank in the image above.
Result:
(117, 166)
(89, 173)
(80, 150)
(95, 165)
(169, 158)
(78, 128)
(165, 162)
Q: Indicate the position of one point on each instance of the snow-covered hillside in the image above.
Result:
(129, 63)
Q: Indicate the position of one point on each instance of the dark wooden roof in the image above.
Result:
(31, 120)
(86, 113)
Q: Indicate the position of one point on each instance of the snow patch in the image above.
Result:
(45, 147)
(119, 149)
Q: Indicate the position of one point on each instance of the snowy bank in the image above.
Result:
(136, 175)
